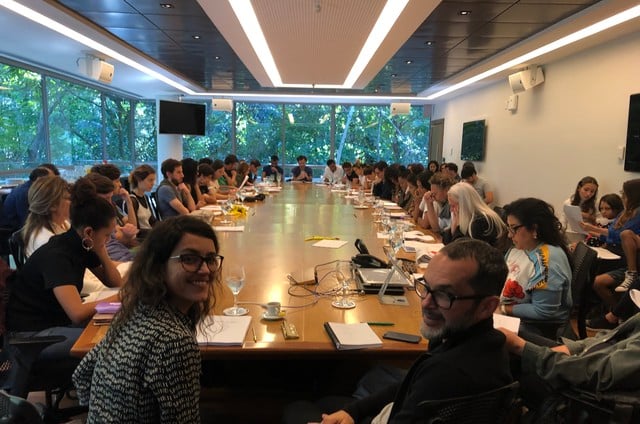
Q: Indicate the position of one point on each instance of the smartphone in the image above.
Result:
(409, 249)
(402, 337)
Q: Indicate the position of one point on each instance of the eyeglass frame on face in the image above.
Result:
(514, 228)
(210, 260)
(449, 297)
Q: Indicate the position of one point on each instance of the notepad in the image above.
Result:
(222, 330)
(506, 321)
(331, 244)
(352, 336)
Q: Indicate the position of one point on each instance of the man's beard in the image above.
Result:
(447, 330)
(175, 182)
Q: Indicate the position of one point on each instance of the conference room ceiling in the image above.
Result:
(445, 44)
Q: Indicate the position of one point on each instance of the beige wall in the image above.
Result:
(566, 128)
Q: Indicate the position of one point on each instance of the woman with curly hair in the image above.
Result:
(147, 368)
(538, 287)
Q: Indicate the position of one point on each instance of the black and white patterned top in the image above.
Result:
(148, 373)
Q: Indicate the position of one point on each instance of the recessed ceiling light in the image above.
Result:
(408, 62)
(464, 12)
(429, 43)
(195, 37)
(166, 5)
(394, 75)
(217, 57)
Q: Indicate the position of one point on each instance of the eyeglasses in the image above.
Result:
(441, 298)
(192, 262)
(514, 228)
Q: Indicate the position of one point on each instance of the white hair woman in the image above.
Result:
(472, 218)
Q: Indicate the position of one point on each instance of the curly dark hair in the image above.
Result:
(146, 281)
(538, 215)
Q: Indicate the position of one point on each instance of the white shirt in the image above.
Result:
(333, 176)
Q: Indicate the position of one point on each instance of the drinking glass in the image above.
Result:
(344, 275)
(235, 281)
(396, 239)
(226, 208)
(242, 194)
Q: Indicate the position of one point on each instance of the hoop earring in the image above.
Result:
(87, 244)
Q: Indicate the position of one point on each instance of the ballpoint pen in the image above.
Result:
(253, 331)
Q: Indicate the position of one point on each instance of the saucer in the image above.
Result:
(271, 317)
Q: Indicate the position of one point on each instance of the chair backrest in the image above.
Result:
(501, 213)
(583, 274)
(494, 406)
(152, 201)
(16, 247)
(14, 409)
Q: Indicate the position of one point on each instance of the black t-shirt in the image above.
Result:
(62, 261)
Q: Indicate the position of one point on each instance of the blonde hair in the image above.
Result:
(471, 205)
(45, 193)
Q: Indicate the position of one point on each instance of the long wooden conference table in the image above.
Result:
(273, 245)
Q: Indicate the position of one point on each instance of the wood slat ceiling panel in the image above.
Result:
(459, 42)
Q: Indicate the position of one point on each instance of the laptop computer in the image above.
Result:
(371, 279)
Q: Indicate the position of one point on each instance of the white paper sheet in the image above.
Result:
(232, 229)
(506, 321)
(605, 254)
(331, 244)
(574, 218)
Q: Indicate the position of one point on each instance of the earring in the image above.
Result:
(87, 243)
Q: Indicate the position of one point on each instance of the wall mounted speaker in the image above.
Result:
(526, 79)
(400, 108)
(95, 68)
(225, 105)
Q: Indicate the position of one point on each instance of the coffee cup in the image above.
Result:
(273, 309)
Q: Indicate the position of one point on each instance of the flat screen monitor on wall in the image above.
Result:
(632, 155)
(182, 118)
(473, 139)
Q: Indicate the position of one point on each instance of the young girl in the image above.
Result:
(610, 206)
(625, 226)
(585, 197)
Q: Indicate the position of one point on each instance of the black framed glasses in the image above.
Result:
(192, 262)
(514, 228)
(442, 299)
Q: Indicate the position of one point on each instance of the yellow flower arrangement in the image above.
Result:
(238, 211)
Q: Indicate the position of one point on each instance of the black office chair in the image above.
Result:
(20, 371)
(16, 248)
(496, 406)
(16, 410)
(584, 272)
(152, 201)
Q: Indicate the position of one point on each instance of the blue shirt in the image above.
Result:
(15, 207)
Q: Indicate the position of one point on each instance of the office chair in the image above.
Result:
(614, 407)
(16, 248)
(20, 371)
(16, 410)
(495, 406)
(584, 272)
(152, 201)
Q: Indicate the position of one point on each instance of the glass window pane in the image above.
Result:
(75, 124)
(118, 132)
(308, 132)
(146, 146)
(370, 133)
(21, 125)
(216, 144)
(258, 127)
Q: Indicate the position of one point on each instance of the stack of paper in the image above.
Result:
(352, 336)
(222, 330)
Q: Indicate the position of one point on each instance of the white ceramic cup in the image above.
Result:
(273, 309)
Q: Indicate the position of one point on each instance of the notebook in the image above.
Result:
(222, 330)
(352, 336)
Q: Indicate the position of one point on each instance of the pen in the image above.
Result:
(253, 331)
(386, 324)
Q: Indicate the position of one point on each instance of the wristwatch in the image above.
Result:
(503, 309)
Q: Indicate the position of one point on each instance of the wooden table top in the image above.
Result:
(273, 245)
